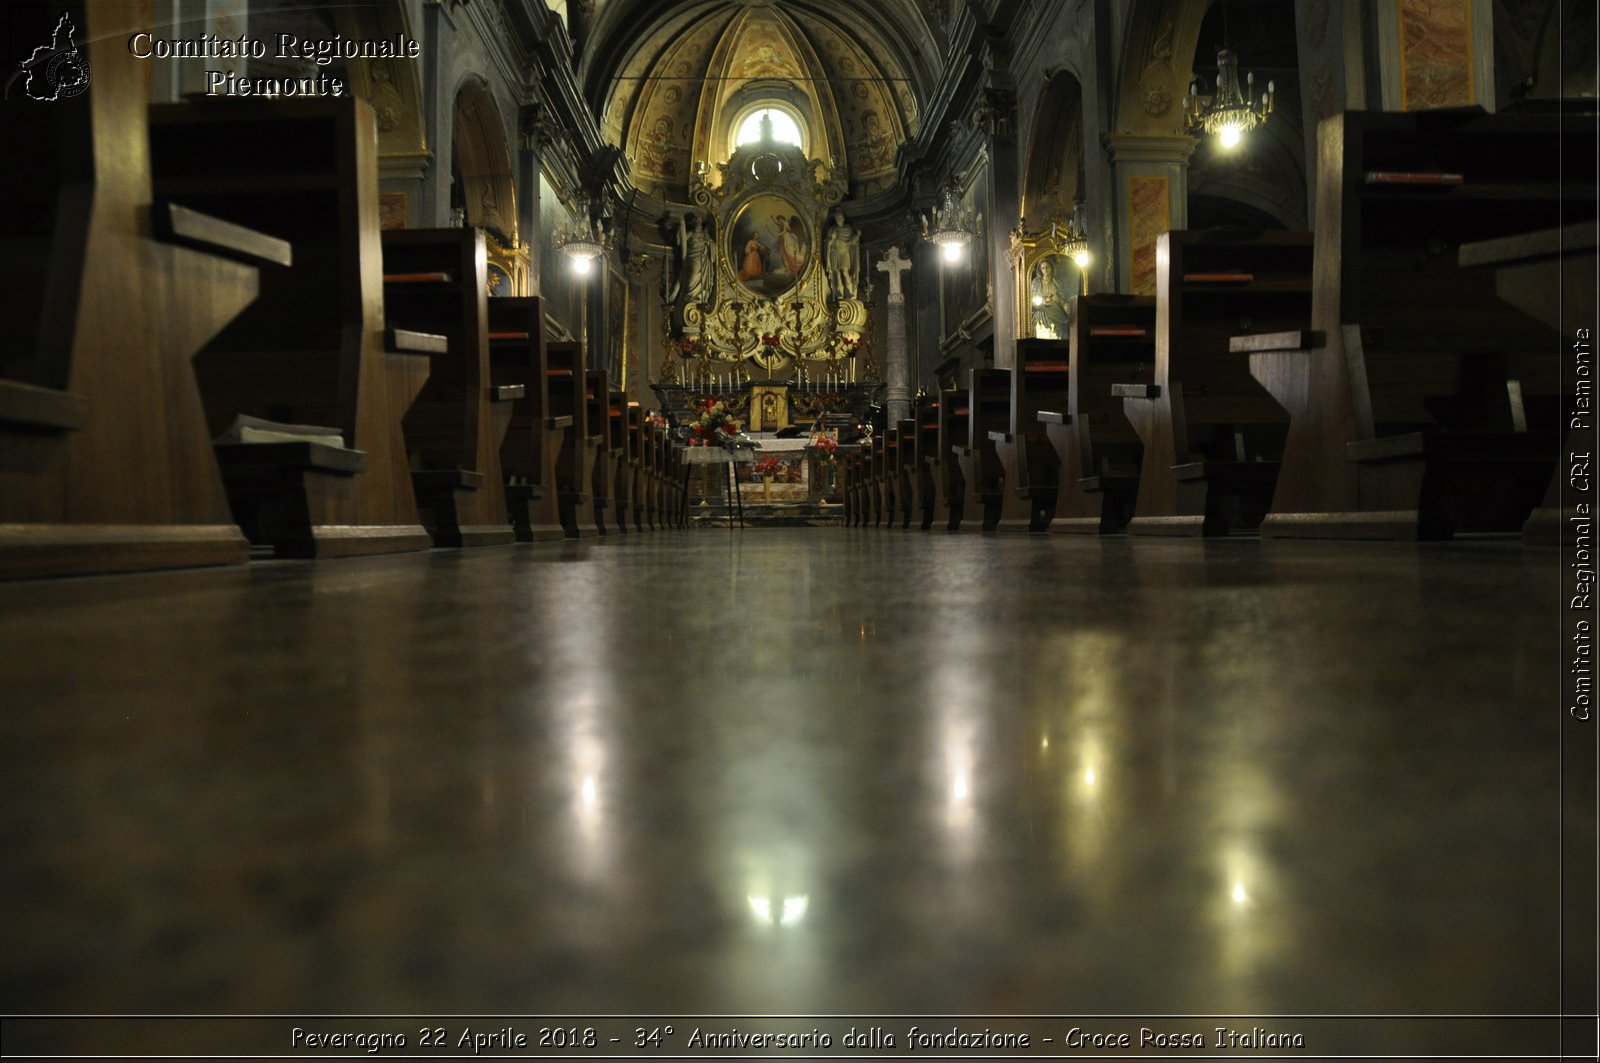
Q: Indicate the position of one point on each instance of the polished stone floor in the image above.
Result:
(788, 770)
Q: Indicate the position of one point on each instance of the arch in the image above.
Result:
(1055, 149)
(483, 161)
(1158, 49)
(391, 86)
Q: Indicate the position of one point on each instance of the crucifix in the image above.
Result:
(894, 266)
(899, 357)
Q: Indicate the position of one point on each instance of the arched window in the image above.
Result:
(785, 127)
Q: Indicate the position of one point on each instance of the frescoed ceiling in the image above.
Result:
(670, 79)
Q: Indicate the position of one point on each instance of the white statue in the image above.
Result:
(697, 272)
(842, 257)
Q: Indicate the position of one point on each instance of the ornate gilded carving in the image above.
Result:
(761, 292)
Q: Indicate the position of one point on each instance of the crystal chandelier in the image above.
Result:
(586, 239)
(1230, 113)
(950, 227)
(1072, 237)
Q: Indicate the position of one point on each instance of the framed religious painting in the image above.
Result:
(769, 245)
(1052, 282)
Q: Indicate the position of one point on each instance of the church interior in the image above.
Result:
(1060, 517)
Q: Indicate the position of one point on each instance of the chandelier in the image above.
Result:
(1072, 236)
(586, 239)
(950, 228)
(1230, 113)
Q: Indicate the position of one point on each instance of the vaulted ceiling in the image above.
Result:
(669, 78)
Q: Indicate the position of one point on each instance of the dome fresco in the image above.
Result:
(830, 66)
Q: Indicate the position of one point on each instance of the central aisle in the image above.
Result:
(788, 771)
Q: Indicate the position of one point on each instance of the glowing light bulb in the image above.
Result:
(1229, 135)
(794, 909)
(1089, 777)
(1081, 258)
(1038, 300)
(582, 266)
(1239, 895)
(952, 252)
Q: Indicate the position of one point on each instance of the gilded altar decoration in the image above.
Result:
(766, 269)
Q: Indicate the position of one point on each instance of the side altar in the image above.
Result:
(763, 301)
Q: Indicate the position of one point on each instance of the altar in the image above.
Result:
(777, 481)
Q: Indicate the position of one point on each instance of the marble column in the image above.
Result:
(899, 355)
(1150, 176)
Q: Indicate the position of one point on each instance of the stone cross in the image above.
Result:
(894, 266)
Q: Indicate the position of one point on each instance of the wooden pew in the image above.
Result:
(847, 484)
(314, 348)
(906, 471)
(602, 461)
(436, 281)
(1550, 275)
(105, 460)
(989, 410)
(1212, 435)
(954, 412)
(533, 436)
(620, 486)
(926, 461)
(654, 512)
(857, 464)
(1112, 346)
(568, 399)
(1030, 467)
(883, 449)
(634, 425)
(1420, 404)
(672, 491)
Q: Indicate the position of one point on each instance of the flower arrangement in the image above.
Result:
(692, 347)
(656, 420)
(714, 425)
(844, 346)
(826, 446)
(771, 339)
(769, 465)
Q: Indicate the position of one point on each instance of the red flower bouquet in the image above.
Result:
(714, 425)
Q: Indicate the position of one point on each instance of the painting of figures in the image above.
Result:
(769, 245)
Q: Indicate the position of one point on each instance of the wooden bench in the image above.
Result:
(906, 470)
(105, 458)
(314, 349)
(655, 473)
(672, 473)
(955, 410)
(858, 480)
(988, 411)
(1028, 461)
(579, 446)
(436, 281)
(1421, 404)
(634, 473)
(1112, 345)
(1212, 435)
(883, 457)
(602, 461)
(533, 436)
(925, 461)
